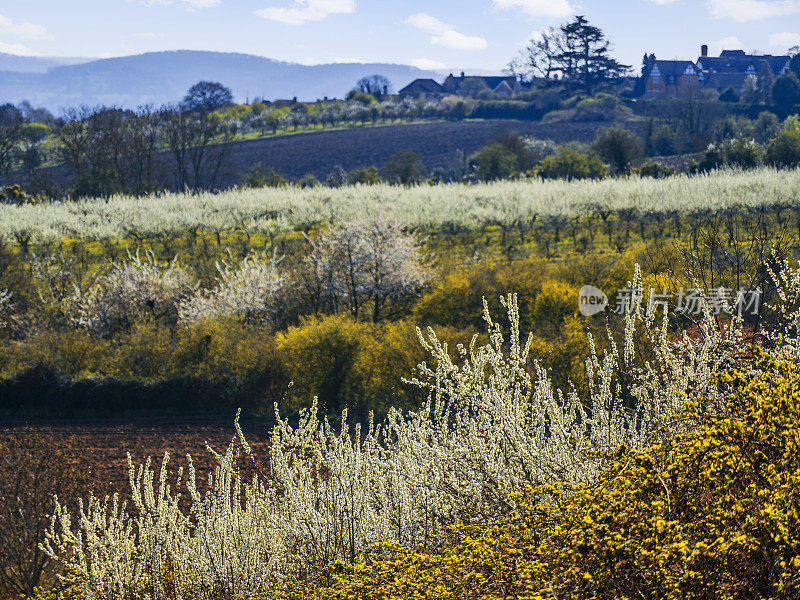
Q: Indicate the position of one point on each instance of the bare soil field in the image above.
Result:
(441, 145)
(100, 451)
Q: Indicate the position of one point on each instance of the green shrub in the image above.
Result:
(665, 141)
(260, 177)
(766, 127)
(784, 150)
(786, 91)
(654, 170)
(309, 181)
(572, 164)
(361, 97)
(494, 162)
(619, 147)
(735, 126)
(364, 176)
(404, 168)
(601, 107)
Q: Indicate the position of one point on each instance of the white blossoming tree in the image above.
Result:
(248, 290)
(365, 263)
(136, 289)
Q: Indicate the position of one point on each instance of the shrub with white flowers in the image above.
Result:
(247, 290)
(136, 289)
(6, 309)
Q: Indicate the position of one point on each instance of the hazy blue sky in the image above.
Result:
(451, 34)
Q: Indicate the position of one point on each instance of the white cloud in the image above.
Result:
(727, 43)
(444, 34)
(191, 4)
(201, 3)
(663, 1)
(17, 49)
(784, 40)
(459, 41)
(752, 10)
(427, 64)
(428, 24)
(304, 11)
(551, 9)
(28, 31)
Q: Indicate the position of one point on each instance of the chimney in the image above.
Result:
(704, 51)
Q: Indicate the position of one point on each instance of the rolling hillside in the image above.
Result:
(35, 64)
(163, 77)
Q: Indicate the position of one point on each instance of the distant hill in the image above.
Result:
(162, 77)
(35, 64)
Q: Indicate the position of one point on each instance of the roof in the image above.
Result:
(723, 81)
(732, 53)
(491, 81)
(674, 67)
(736, 61)
(423, 86)
(778, 63)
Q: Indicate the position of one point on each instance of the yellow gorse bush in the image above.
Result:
(714, 513)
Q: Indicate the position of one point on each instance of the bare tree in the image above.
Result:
(199, 144)
(375, 85)
(11, 123)
(141, 139)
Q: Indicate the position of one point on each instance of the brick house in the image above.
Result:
(672, 78)
(730, 70)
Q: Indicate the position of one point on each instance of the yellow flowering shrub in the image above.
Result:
(714, 513)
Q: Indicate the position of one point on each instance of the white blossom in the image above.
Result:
(131, 291)
(6, 309)
(365, 262)
(248, 290)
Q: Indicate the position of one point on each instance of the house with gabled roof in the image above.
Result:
(730, 70)
(423, 88)
(502, 85)
(672, 78)
(737, 61)
(463, 85)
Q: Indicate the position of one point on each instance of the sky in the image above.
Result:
(433, 34)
